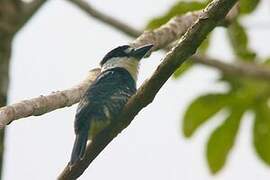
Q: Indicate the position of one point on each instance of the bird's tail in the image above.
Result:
(79, 146)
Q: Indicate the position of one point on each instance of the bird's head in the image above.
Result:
(125, 57)
(126, 53)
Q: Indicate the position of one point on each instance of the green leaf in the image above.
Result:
(182, 69)
(179, 8)
(234, 82)
(248, 6)
(239, 41)
(222, 140)
(267, 62)
(261, 132)
(200, 110)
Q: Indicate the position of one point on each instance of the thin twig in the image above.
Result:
(239, 68)
(146, 93)
(105, 18)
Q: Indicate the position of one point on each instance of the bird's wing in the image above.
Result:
(103, 101)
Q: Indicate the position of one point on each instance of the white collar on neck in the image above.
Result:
(131, 65)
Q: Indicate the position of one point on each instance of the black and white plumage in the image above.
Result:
(107, 95)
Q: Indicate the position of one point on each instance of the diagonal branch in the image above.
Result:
(159, 37)
(15, 14)
(128, 30)
(87, 8)
(251, 70)
(188, 44)
(167, 33)
(44, 104)
(28, 10)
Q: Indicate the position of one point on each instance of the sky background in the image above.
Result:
(55, 50)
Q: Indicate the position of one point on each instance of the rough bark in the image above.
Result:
(211, 16)
(13, 16)
(5, 52)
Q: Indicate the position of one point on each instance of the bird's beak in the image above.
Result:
(140, 52)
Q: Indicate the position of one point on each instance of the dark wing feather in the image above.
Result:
(111, 91)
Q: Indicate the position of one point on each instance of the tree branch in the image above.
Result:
(15, 14)
(28, 10)
(86, 7)
(5, 53)
(188, 44)
(159, 37)
(239, 68)
(12, 17)
(172, 30)
(131, 31)
(44, 104)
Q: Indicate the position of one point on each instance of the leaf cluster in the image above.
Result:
(243, 94)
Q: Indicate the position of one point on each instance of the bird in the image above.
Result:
(105, 98)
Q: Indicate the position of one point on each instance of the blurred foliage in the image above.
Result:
(261, 130)
(179, 8)
(205, 107)
(222, 140)
(184, 68)
(239, 42)
(243, 94)
(248, 6)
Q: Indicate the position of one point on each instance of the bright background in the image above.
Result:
(55, 51)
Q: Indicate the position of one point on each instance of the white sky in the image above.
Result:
(55, 51)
